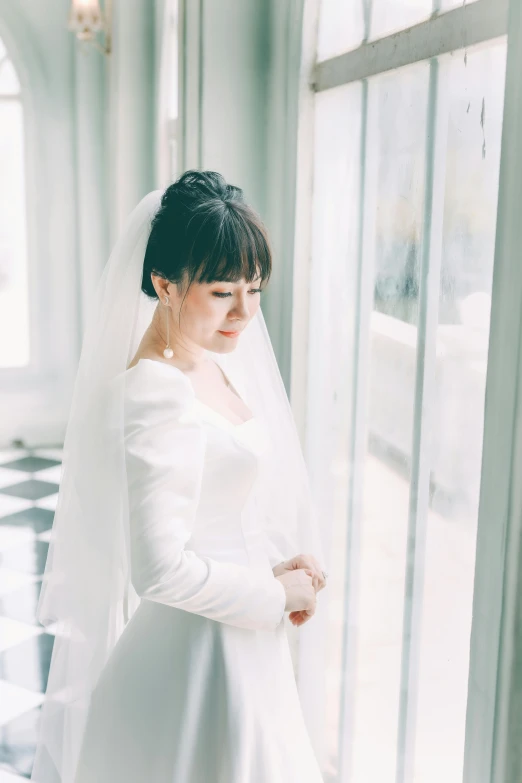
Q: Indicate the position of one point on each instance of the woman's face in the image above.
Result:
(213, 315)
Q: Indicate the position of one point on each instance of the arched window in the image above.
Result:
(14, 299)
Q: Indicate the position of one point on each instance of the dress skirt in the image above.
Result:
(185, 699)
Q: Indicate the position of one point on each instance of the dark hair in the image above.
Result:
(205, 229)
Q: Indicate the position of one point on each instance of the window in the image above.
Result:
(405, 171)
(168, 99)
(14, 296)
(173, 99)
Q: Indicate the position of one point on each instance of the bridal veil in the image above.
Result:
(87, 592)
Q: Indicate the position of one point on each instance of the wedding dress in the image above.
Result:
(199, 687)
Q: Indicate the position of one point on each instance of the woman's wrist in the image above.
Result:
(279, 569)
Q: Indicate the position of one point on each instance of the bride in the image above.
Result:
(184, 528)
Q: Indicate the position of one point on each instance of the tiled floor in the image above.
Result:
(28, 491)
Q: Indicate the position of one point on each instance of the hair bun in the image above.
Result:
(194, 183)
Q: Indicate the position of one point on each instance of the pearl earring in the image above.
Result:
(168, 353)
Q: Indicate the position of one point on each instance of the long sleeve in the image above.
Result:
(274, 549)
(278, 546)
(164, 454)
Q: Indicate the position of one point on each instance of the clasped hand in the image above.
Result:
(302, 578)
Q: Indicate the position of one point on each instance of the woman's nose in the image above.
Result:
(241, 311)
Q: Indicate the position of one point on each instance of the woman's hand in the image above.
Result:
(308, 562)
(299, 589)
(302, 561)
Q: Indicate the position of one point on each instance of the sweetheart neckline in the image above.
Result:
(214, 412)
(196, 398)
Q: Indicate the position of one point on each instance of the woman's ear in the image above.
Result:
(161, 286)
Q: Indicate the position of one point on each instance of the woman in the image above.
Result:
(171, 563)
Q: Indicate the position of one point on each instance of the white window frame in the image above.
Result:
(492, 750)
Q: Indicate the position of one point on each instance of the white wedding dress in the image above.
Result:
(200, 686)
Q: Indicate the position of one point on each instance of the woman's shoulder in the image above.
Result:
(157, 386)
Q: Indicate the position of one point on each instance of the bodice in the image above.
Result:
(225, 525)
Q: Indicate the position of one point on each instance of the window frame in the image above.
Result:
(492, 692)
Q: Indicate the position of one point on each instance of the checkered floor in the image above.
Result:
(29, 482)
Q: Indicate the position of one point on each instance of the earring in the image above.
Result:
(168, 353)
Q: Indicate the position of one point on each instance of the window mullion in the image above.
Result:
(359, 427)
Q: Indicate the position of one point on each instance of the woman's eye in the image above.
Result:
(228, 293)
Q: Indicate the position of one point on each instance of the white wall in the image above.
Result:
(240, 118)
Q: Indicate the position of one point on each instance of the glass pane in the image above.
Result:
(400, 207)
(14, 314)
(474, 97)
(342, 22)
(332, 308)
(394, 186)
(173, 52)
(389, 16)
(446, 5)
(341, 27)
(9, 84)
(170, 75)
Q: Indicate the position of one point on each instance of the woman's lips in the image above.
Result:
(229, 334)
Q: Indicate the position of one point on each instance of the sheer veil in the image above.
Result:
(86, 590)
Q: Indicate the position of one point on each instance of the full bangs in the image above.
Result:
(230, 244)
